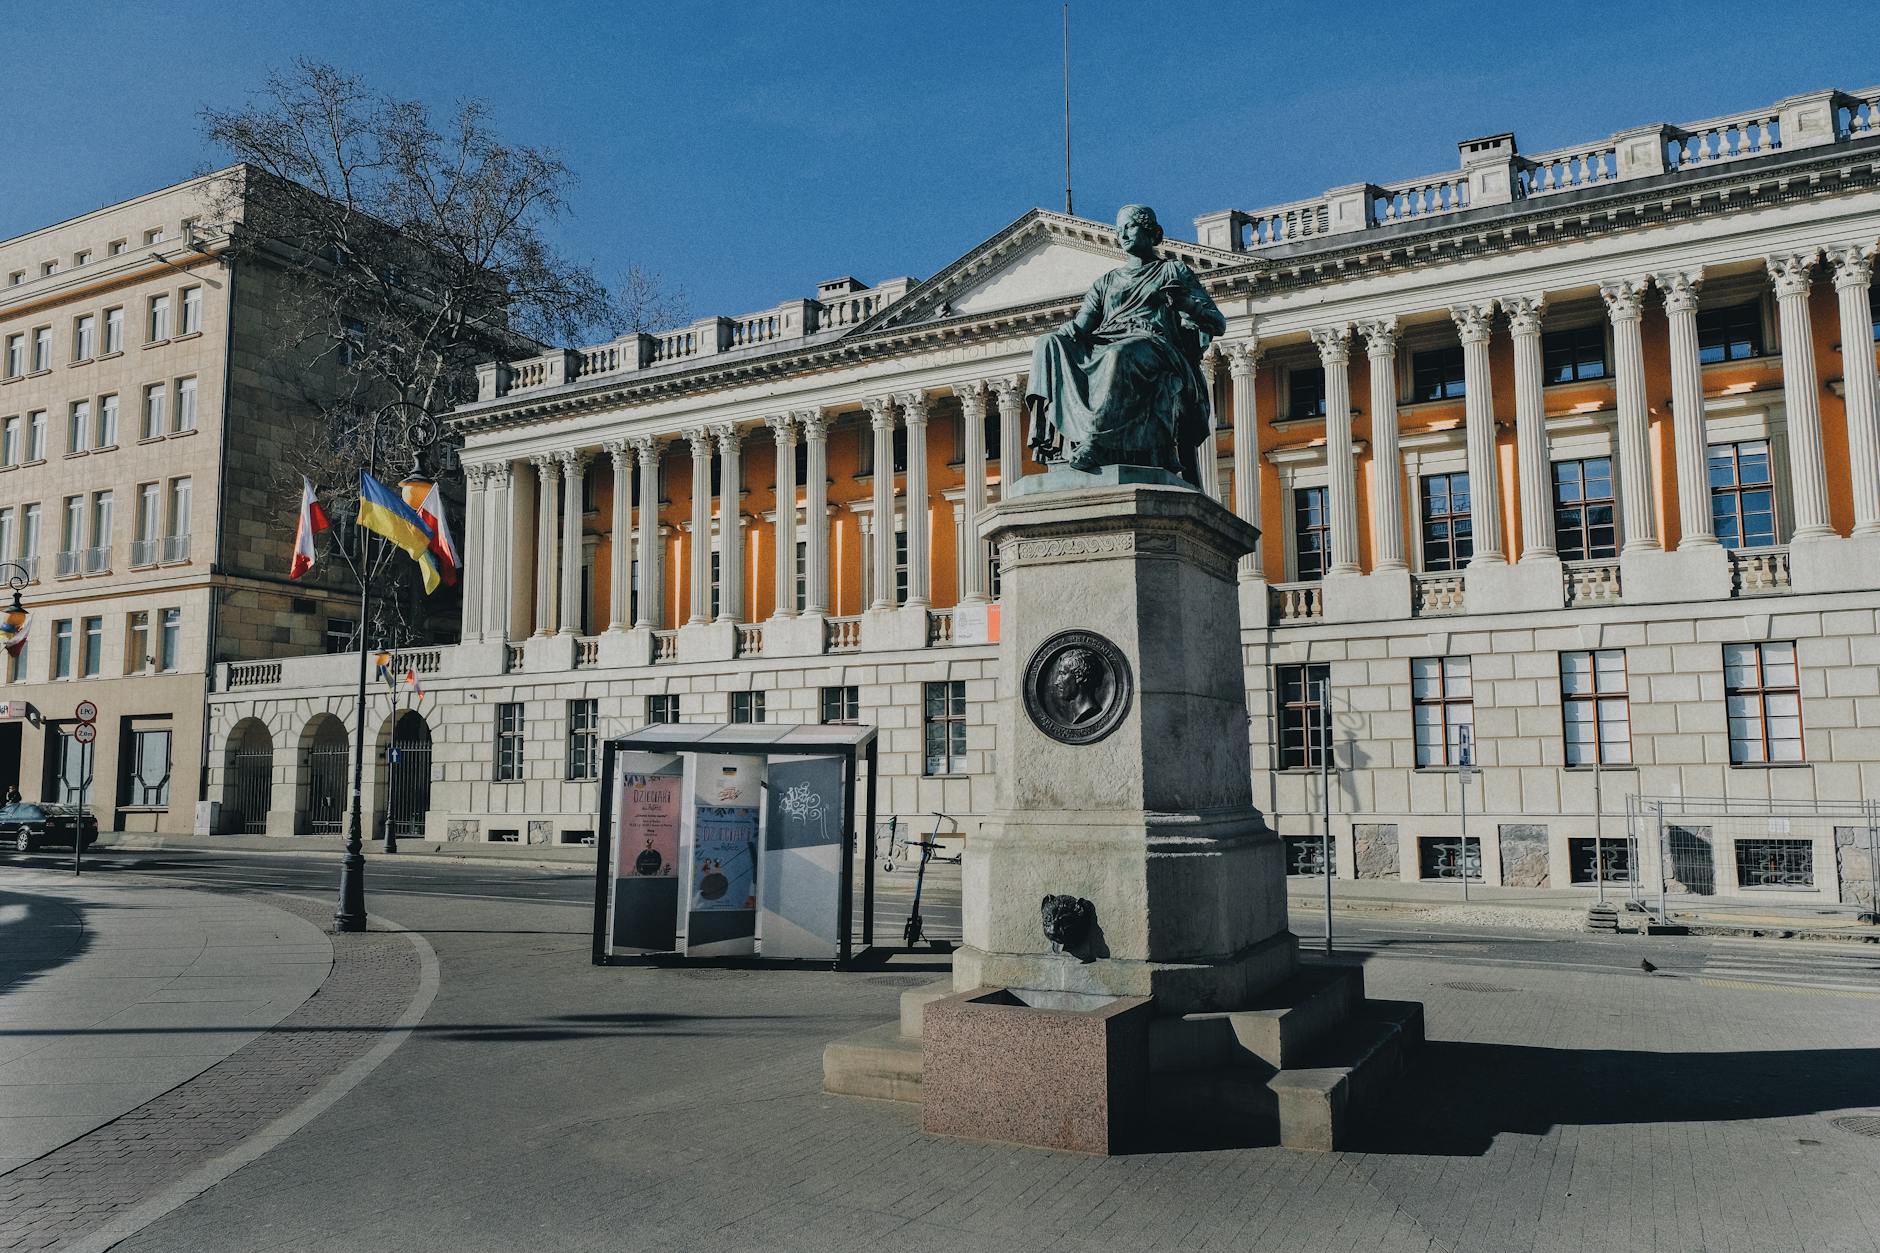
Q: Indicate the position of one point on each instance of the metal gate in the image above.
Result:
(410, 771)
(254, 789)
(326, 782)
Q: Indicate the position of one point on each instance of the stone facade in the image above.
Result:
(1546, 360)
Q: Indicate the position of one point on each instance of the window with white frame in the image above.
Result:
(98, 555)
(108, 421)
(509, 739)
(1311, 532)
(29, 540)
(15, 356)
(155, 403)
(1595, 717)
(944, 724)
(1443, 700)
(192, 310)
(662, 708)
(1763, 699)
(10, 433)
(148, 783)
(158, 324)
(584, 721)
(71, 535)
(176, 520)
(747, 706)
(84, 337)
(172, 638)
(144, 546)
(42, 349)
(78, 430)
(91, 647)
(842, 705)
(62, 638)
(185, 405)
(36, 423)
(114, 330)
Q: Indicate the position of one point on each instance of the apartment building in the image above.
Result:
(1567, 466)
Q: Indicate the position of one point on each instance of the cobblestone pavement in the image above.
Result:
(547, 1104)
(77, 1189)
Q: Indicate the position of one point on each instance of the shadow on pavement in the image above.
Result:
(1459, 1096)
(560, 1027)
(39, 932)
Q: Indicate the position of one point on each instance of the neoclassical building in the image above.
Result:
(1567, 465)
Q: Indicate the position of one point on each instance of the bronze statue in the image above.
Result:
(1121, 382)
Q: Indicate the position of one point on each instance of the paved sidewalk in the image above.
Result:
(112, 993)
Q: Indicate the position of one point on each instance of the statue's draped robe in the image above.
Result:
(1122, 382)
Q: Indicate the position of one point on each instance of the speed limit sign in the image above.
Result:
(86, 711)
(84, 733)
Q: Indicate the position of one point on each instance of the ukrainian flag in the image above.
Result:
(383, 513)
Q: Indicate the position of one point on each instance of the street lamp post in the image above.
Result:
(420, 431)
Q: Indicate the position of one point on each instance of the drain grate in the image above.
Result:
(1860, 1124)
(710, 973)
(1469, 985)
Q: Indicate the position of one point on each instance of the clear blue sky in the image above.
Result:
(747, 149)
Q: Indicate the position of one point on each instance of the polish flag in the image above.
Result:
(411, 681)
(312, 521)
(443, 544)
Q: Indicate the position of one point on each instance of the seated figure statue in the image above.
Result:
(1121, 382)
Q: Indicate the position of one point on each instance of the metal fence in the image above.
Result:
(1688, 847)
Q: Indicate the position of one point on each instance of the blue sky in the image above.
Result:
(746, 149)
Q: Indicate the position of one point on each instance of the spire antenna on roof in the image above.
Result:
(1067, 108)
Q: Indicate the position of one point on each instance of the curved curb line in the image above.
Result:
(213, 1172)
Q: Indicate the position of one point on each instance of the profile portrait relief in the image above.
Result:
(1074, 684)
(1077, 687)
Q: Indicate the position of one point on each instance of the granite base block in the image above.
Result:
(997, 1068)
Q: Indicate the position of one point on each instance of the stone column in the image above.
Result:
(700, 601)
(500, 524)
(972, 562)
(919, 549)
(652, 611)
(1696, 528)
(620, 538)
(475, 476)
(1243, 363)
(1853, 279)
(1530, 429)
(1638, 514)
(730, 525)
(1209, 454)
(784, 428)
(545, 544)
(1801, 396)
(573, 467)
(816, 506)
(881, 416)
(1475, 323)
(1380, 340)
(1334, 345)
(1011, 399)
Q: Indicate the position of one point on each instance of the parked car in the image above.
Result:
(25, 827)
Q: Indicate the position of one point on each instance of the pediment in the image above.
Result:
(1043, 258)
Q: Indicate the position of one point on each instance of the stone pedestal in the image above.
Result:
(632, 647)
(708, 641)
(800, 635)
(1654, 576)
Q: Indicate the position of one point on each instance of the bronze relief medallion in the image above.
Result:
(1077, 687)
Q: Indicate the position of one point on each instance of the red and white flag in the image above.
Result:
(443, 544)
(411, 680)
(312, 521)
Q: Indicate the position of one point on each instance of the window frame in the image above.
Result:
(508, 750)
(1582, 527)
(1299, 530)
(584, 737)
(662, 708)
(1759, 691)
(1737, 489)
(1449, 745)
(1724, 322)
(747, 707)
(1300, 719)
(1597, 697)
(1437, 375)
(1300, 404)
(1575, 340)
(1457, 528)
(949, 722)
(846, 700)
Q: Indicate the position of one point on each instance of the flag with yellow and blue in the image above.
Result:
(383, 513)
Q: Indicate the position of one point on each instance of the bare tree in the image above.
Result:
(645, 303)
(413, 249)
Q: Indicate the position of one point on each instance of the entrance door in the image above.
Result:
(11, 736)
(327, 763)
(410, 775)
(254, 788)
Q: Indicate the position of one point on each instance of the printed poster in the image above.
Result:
(648, 804)
(648, 844)
(724, 858)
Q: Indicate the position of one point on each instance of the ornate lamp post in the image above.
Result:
(15, 614)
(420, 431)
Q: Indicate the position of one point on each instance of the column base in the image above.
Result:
(799, 635)
(548, 653)
(708, 641)
(632, 647)
(1654, 577)
(1381, 596)
(1835, 565)
(1497, 587)
(1256, 603)
(894, 630)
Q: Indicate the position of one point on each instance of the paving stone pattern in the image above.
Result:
(76, 1189)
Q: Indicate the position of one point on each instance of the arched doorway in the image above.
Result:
(248, 779)
(323, 804)
(409, 766)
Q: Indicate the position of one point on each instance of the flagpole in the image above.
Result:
(351, 914)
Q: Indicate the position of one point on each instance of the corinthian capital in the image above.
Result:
(913, 407)
(1475, 321)
(496, 475)
(1008, 391)
(1853, 264)
(1380, 337)
(729, 437)
(1243, 357)
(815, 426)
(1524, 313)
(1624, 298)
(1680, 288)
(617, 451)
(475, 474)
(701, 440)
(647, 446)
(972, 394)
(880, 412)
(545, 465)
(783, 426)
(572, 461)
(1792, 272)
(1333, 343)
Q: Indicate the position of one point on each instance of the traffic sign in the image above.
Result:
(87, 712)
(84, 733)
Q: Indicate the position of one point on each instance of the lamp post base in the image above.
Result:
(351, 914)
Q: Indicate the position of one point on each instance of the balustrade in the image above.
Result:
(1759, 571)
(665, 646)
(1723, 139)
(939, 628)
(1436, 594)
(1422, 197)
(512, 658)
(1298, 602)
(750, 639)
(1568, 169)
(1593, 582)
(1858, 115)
(587, 650)
(253, 674)
(843, 635)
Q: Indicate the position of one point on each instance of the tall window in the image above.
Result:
(78, 427)
(192, 310)
(1300, 691)
(508, 742)
(98, 556)
(154, 397)
(137, 642)
(1593, 707)
(149, 782)
(1305, 392)
(945, 726)
(16, 356)
(6, 533)
(1448, 540)
(62, 649)
(114, 330)
(91, 651)
(1574, 355)
(10, 433)
(663, 708)
(1436, 374)
(1743, 494)
(584, 721)
(1312, 532)
(185, 405)
(172, 639)
(85, 337)
(1444, 702)
(747, 706)
(29, 540)
(159, 318)
(1732, 334)
(1583, 509)
(900, 567)
(36, 435)
(107, 421)
(842, 705)
(144, 546)
(71, 535)
(800, 576)
(176, 523)
(1763, 698)
(42, 348)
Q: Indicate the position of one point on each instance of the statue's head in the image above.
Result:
(1074, 675)
(1136, 228)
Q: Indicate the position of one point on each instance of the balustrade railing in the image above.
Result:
(1568, 169)
(1723, 139)
(1859, 115)
(939, 628)
(253, 674)
(675, 346)
(144, 552)
(1421, 197)
(1436, 594)
(665, 646)
(587, 650)
(1759, 571)
(843, 635)
(759, 329)
(750, 639)
(1287, 223)
(1594, 582)
(1298, 602)
(421, 660)
(98, 560)
(512, 658)
(526, 374)
(32, 568)
(176, 547)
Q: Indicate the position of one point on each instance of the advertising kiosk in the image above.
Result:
(733, 841)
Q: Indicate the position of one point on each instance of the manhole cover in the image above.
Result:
(1860, 1124)
(1469, 985)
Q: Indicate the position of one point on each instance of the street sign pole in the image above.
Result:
(86, 733)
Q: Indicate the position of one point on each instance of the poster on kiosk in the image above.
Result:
(649, 794)
(719, 829)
